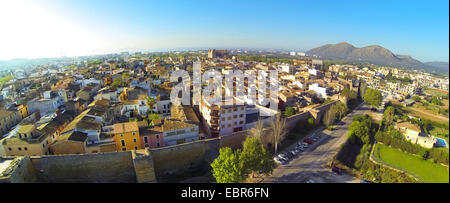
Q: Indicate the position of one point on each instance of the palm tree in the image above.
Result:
(278, 127)
(150, 103)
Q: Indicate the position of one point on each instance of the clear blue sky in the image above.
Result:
(416, 28)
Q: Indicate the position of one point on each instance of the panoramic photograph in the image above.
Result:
(224, 91)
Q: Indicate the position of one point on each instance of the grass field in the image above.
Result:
(435, 92)
(418, 110)
(428, 171)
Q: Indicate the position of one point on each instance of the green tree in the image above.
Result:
(388, 115)
(150, 101)
(373, 97)
(255, 157)
(310, 122)
(436, 101)
(227, 168)
(289, 111)
(416, 98)
(349, 94)
(116, 83)
(125, 78)
(151, 117)
(360, 130)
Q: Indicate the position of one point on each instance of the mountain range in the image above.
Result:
(374, 54)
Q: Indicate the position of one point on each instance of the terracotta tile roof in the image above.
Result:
(126, 127)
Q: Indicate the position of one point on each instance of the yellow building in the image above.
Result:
(8, 119)
(23, 110)
(126, 136)
(28, 141)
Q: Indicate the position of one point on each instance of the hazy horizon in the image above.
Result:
(50, 29)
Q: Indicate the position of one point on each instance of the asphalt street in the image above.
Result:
(312, 163)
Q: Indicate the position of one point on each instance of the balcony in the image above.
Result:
(214, 122)
(214, 113)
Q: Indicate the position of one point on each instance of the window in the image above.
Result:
(121, 135)
(146, 146)
(124, 149)
(242, 115)
(223, 119)
(229, 125)
(25, 148)
(229, 118)
(223, 126)
(235, 109)
(9, 148)
(235, 116)
(20, 149)
(123, 142)
(157, 144)
(157, 136)
(242, 122)
(43, 145)
(146, 139)
(134, 133)
(242, 108)
(134, 140)
(135, 148)
(229, 111)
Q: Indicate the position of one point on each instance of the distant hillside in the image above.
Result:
(439, 66)
(371, 54)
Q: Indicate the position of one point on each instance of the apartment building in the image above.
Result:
(223, 119)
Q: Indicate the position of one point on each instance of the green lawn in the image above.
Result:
(428, 171)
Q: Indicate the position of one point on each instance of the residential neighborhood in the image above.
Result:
(228, 92)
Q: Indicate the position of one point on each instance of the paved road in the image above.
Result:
(311, 164)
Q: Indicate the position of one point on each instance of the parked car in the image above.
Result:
(305, 145)
(307, 141)
(310, 181)
(293, 152)
(283, 156)
(366, 181)
(279, 160)
(337, 170)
